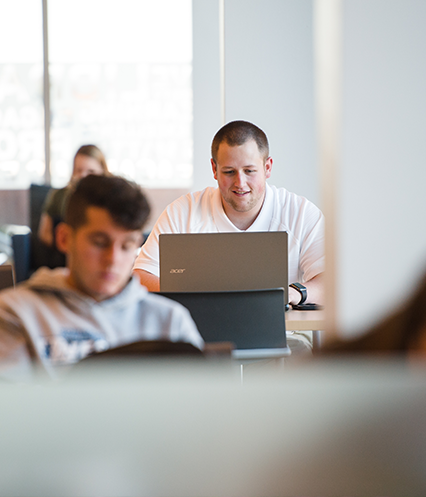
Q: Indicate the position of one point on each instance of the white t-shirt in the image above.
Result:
(202, 212)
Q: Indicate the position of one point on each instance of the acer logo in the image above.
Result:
(173, 271)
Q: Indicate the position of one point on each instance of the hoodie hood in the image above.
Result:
(56, 281)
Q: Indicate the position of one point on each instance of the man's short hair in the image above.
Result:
(237, 133)
(123, 199)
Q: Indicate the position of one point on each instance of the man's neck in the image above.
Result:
(241, 220)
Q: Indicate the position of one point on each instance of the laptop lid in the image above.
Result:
(253, 320)
(203, 262)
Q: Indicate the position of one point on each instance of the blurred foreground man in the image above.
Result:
(61, 316)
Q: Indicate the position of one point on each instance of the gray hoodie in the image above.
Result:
(45, 323)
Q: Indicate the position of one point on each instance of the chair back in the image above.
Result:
(38, 194)
(21, 244)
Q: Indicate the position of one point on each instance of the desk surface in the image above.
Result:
(236, 439)
(304, 320)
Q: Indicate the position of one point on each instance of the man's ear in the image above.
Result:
(268, 167)
(214, 169)
(63, 237)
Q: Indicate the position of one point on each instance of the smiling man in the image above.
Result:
(60, 316)
(244, 201)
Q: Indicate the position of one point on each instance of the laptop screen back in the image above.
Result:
(249, 319)
(203, 262)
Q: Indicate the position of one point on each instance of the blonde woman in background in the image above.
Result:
(88, 159)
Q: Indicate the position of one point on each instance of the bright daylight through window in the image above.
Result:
(120, 77)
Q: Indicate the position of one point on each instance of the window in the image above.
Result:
(21, 94)
(121, 78)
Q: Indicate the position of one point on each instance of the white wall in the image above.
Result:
(381, 203)
(382, 198)
(206, 86)
(268, 81)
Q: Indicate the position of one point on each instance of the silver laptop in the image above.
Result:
(204, 262)
(253, 320)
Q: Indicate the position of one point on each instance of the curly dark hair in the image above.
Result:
(123, 199)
